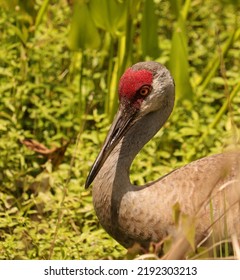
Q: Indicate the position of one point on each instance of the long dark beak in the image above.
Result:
(122, 122)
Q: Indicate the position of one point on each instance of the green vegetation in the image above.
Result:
(60, 62)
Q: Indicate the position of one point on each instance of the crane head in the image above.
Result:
(143, 88)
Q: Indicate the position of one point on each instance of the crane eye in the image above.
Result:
(144, 90)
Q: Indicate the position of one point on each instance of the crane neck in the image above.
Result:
(114, 174)
(136, 138)
(112, 183)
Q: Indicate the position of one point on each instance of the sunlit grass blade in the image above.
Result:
(178, 62)
(41, 13)
(149, 31)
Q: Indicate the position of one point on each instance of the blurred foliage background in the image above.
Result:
(60, 62)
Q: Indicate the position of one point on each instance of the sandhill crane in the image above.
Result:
(207, 188)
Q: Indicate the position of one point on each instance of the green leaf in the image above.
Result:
(188, 227)
(189, 131)
(176, 213)
(41, 13)
(83, 33)
(176, 7)
(149, 28)
(178, 63)
(109, 15)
